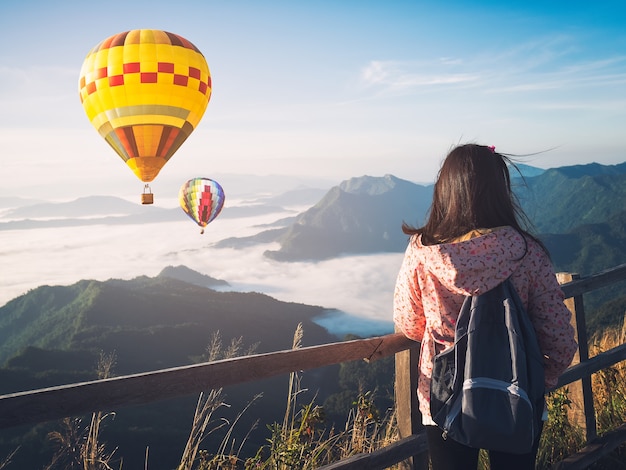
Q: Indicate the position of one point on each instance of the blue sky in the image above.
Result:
(328, 89)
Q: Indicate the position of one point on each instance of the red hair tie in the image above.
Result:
(492, 148)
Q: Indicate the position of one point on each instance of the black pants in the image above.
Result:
(447, 454)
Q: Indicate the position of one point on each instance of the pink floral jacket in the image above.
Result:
(433, 281)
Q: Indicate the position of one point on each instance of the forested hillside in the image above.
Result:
(560, 199)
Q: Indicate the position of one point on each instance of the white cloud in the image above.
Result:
(358, 285)
(405, 77)
(544, 64)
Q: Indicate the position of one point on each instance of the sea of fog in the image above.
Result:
(359, 288)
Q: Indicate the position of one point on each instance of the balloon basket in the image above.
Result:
(147, 197)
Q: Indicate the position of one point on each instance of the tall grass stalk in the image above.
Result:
(207, 404)
(7, 460)
(81, 448)
(226, 456)
(293, 389)
(95, 456)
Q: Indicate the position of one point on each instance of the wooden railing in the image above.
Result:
(410, 451)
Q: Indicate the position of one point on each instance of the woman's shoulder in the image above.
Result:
(537, 264)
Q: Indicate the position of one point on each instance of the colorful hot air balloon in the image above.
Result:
(202, 199)
(145, 92)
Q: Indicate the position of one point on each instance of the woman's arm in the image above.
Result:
(552, 321)
(408, 312)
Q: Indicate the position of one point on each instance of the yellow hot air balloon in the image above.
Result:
(145, 92)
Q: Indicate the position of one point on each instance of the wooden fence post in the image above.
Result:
(408, 417)
(581, 392)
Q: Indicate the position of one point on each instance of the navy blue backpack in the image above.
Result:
(487, 391)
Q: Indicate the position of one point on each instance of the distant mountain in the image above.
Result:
(361, 215)
(591, 169)
(266, 236)
(109, 210)
(364, 215)
(526, 170)
(562, 198)
(83, 207)
(160, 215)
(183, 273)
(92, 210)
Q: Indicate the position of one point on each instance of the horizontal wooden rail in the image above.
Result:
(385, 457)
(103, 395)
(594, 451)
(602, 279)
(590, 366)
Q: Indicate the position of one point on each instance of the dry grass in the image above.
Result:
(80, 447)
(562, 438)
(609, 385)
(7, 460)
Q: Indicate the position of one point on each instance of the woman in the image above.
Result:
(473, 240)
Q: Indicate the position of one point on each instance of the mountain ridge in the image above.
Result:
(90, 314)
(365, 214)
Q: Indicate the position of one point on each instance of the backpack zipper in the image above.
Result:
(454, 412)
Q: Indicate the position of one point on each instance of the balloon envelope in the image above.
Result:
(202, 200)
(145, 91)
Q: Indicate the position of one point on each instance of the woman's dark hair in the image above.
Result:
(472, 191)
